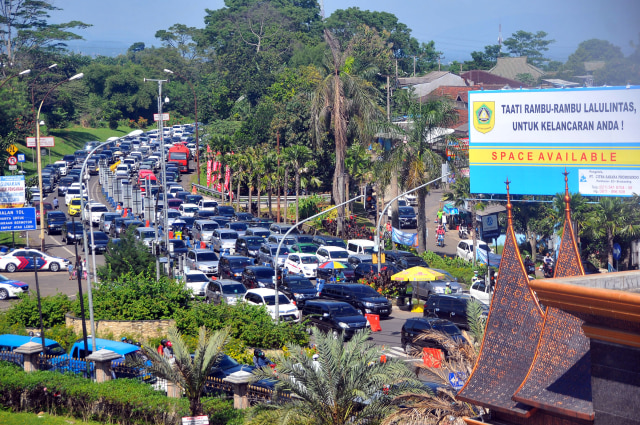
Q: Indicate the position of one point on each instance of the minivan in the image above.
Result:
(9, 342)
(146, 235)
(360, 246)
(334, 317)
(363, 297)
(203, 230)
(321, 240)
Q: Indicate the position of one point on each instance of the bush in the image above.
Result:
(117, 401)
(25, 312)
(457, 267)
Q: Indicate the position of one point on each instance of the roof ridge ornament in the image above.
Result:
(509, 205)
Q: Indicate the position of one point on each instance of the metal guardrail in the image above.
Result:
(212, 192)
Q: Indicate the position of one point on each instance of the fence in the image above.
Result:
(11, 357)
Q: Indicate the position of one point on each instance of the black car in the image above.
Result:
(407, 217)
(72, 232)
(281, 229)
(115, 223)
(224, 291)
(54, 220)
(334, 317)
(393, 256)
(327, 272)
(99, 242)
(297, 288)
(300, 238)
(243, 216)
(222, 221)
(258, 277)
(365, 269)
(232, 266)
(329, 241)
(225, 211)
(415, 326)
(260, 222)
(63, 184)
(409, 261)
(192, 199)
(225, 367)
(452, 307)
(363, 297)
(177, 248)
(249, 245)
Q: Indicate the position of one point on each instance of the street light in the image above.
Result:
(195, 100)
(39, 156)
(25, 72)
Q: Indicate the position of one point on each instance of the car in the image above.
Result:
(98, 243)
(303, 248)
(361, 246)
(258, 277)
(363, 297)
(197, 282)
(287, 310)
(202, 230)
(275, 238)
(77, 351)
(243, 216)
(464, 249)
(237, 226)
(227, 366)
(232, 266)
(406, 216)
(205, 214)
(302, 264)
(54, 220)
(146, 235)
(409, 261)
(328, 273)
(302, 238)
(11, 288)
(106, 219)
(188, 210)
(224, 290)
(481, 291)
(324, 240)
(177, 248)
(46, 206)
(193, 199)
(222, 221)
(261, 222)
(75, 206)
(355, 259)
(258, 231)
(248, 245)
(334, 317)
(452, 307)
(225, 211)
(204, 260)
(589, 268)
(297, 288)
(412, 329)
(64, 184)
(281, 229)
(30, 259)
(267, 252)
(394, 255)
(207, 205)
(93, 211)
(364, 270)
(424, 289)
(223, 240)
(332, 253)
(72, 232)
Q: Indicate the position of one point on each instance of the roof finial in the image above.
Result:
(509, 206)
(567, 198)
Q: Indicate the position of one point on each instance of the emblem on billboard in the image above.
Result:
(483, 116)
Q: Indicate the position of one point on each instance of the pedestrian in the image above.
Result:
(320, 286)
(444, 222)
(55, 203)
(84, 268)
(70, 269)
(440, 216)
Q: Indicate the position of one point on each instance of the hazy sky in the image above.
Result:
(458, 27)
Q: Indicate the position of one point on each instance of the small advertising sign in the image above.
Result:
(12, 191)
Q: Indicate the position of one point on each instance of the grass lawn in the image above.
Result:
(6, 238)
(7, 418)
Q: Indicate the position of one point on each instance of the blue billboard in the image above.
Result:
(17, 219)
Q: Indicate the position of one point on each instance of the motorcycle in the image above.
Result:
(530, 268)
(440, 241)
(547, 269)
(463, 232)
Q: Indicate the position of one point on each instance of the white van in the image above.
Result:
(360, 246)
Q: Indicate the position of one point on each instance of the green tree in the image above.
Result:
(341, 98)
(298, 157)
(529, 44)
(187, 371)
(129, 255)
(486, 59)
(182, 38)
(345, 386)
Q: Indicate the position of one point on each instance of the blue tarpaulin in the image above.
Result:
(409, 239)
(481, 257)
(450, 209)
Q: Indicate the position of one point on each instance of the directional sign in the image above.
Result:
(12, 160)
(457, 379)
(12, 149)
(21, 157)
(616, 251)
(16, 219)
(165, 117)
(45, 142)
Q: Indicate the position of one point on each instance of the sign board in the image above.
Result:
(12, 160)
(165, 117)
(531, 136)
(17, 219)
(617, 251)
(457, 380)
(195, 420)
(21, 157)
(490, 227)
(12, 149)
(13, 167)
(12, 191)
(45, 142)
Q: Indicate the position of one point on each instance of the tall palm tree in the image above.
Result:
(189, 373)
(344, 386)
(357, 164)
(298, 158)
(339, 98)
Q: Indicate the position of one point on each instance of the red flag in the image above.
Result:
(209, 172)
(227, 177)
(219, 186)
(209, 149)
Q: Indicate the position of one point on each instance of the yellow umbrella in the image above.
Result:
(418, 274)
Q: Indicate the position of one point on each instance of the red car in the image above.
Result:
(47, 206)
(174, 203)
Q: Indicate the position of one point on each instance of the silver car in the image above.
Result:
(224, 240)
(203, 230)
(203, 260)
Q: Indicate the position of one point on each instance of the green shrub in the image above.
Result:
(117, 401)
(25, 312)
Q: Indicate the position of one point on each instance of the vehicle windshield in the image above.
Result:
(414, 260)
(207, 256)
(364, 291)
(178, 155)
(57, 216)
(309, 260)
(271, 300)
(210, 226)
(100, 236)
(226, 210)
(74, 225)
(264, 273)
(339, 254)
(241, 263)
(73, 191)
(174, 213)
(238, 226)
(75, 202)
(237, 288)
(227, 362)
(148, 234)
(307, 249)
(450, 329)
(283, 250)
(304, 239)
(197, 277)
(190, 209)
(256, 240)
(99, 208)
(343, 311)
(338, 243)
(296, 285)
(55, 350)
(3, 278)
(209, 204)
(228, 235)
(406, 211)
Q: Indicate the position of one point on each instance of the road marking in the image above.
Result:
(397, 352)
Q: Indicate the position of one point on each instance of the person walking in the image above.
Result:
(70, 269)
(55, 203)
(444, 222)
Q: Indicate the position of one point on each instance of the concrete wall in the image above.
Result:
(139, 329)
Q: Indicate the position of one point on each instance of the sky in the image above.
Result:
(457, 27)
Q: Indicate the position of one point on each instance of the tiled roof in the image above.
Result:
(485, 78)
(511, 67)
(429, 78)
(511, 336)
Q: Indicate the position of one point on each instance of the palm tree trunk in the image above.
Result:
(297, 196)
(610, 246)
(422, 221)
(269, 190)
(250, 187)
(340, 134)
(259, 183)
(347, 182)
(238, 196)
(285, 189)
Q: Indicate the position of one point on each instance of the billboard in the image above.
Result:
(11, 191)
(531, 136)
(17, 219)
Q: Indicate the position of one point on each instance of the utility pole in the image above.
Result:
(278, 170)
(388, 101)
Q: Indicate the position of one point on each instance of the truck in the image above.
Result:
(179, 154)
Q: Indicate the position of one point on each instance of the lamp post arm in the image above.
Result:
(384, 210)
(295, 226)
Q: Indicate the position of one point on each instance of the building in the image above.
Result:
(512, 67)
(424, 85)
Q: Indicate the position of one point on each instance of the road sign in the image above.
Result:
(45, 142)
(165, 117)
(13, 167)
(12, 160)
(616, 251)
(21, 157)
(12, 149)
(17, 219)
(457, 379)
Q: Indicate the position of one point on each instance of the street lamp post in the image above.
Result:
(195, 105)
(39, 156)
(25, 72)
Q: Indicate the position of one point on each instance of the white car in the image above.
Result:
(11, 288)
(74, 191)
(23, 259)
(93, 211)
(197, 282)
(332, 253)
(465, 251)
(307, 264)
(207, 205)
(267, 297)
(481, 292)
(188, 210)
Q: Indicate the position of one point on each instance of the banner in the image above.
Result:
(209, 172)
(12, 191)
(227, 177)
(409, 239)
(219, 186)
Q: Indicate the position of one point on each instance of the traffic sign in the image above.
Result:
(45, 142)
(12, 160)
(16, 219)
(21, 157)
(165, 117)
(457, 379)
(12, 149)
(617, 251)
(13, 167)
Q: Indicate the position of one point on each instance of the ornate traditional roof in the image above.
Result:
(511, 335)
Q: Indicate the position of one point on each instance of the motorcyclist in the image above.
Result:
(260, 359)
(529, 266)
(548, 265)
(440, 234)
